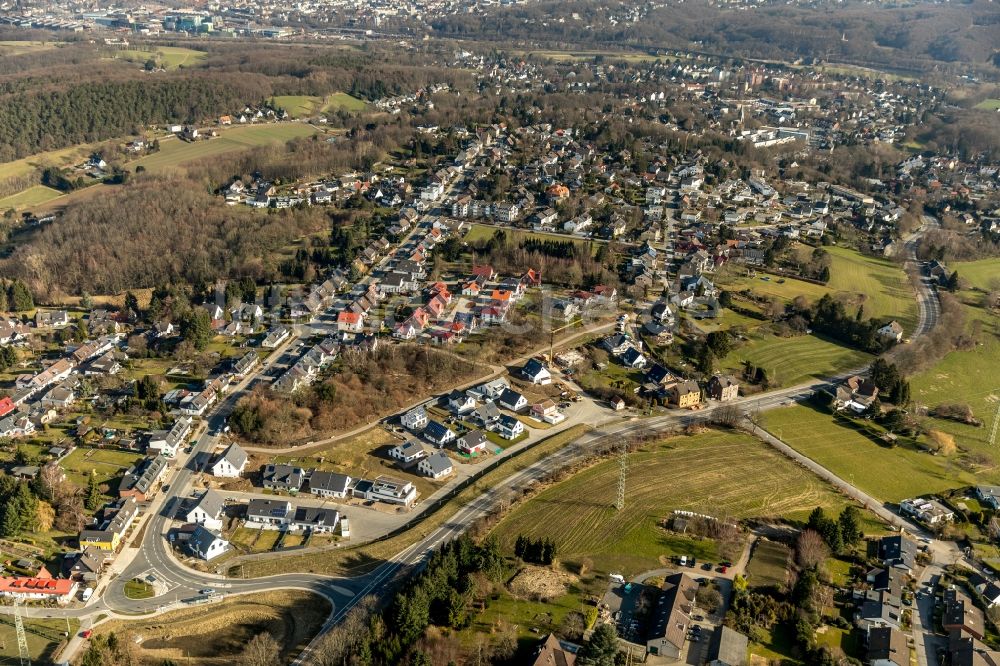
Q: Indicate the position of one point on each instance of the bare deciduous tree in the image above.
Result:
(810, 550)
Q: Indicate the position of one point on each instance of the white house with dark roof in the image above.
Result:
(329, 484)
(207, 544)
(408, 452)
(512, 400)
(207, 510)
(436, 466)
(231, 463)
(415, 420)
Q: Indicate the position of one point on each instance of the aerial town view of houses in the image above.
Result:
(576, 334)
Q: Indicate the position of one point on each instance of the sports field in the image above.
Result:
(989, 104)
(887, 474)
(304, 106)
(169, 57)
(791, 361)
(33, 196)
(174, 152)
(718, 473)
(44, 637)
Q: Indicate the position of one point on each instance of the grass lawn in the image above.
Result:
(341, 100)
(217, 633)
(590, 55)
(769, 565)
(777, 646)
(13, 48)
(880, 285)
(169, 57)
(967, 377)
(254, 540)
(44, 636)
(989, 104)
(482, 232)
(107, 464)
(174, 152)
(983, 274)
(305, 106)
(716, 473)
(790, 361)
(60, 157)
(33, 196)
(888, 474)
(137, 589)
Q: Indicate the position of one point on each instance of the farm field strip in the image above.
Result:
(690, 473)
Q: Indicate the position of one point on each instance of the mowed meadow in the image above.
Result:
(719, 473)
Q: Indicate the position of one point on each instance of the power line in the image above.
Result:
(22, 641)
(622, 472)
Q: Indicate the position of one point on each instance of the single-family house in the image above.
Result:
(206, 510)
(206, 543)
(231, 463)
(512, 400)
(436, 466)
(723, 388)
(509, 427)
(329, 484)
(439, 434)
(415, 420)
(408, 452)
(535, 372)
(473, 441)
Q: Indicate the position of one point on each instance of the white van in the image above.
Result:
(87, 594)
(684, 560)
(618, 578)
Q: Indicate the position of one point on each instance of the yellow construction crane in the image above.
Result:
(552, 340)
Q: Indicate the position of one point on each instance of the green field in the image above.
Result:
(989, 104)
(881, 286)
(983, 274)
(61, 157)
(33, 196)
(791, 361)
(174, 152)
(716, 473)
(769, 565)
(107, 464)
(482, 232)
(44, 637)
(170, 57)
(13, 48)
(889, 474)
(138, 589)
(968, 377)
(305, 106)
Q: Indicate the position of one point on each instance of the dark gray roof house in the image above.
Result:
(283, 477)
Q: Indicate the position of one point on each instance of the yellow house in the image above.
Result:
(102, 539)
(685, 394)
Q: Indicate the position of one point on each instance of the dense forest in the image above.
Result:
(78, 94)
(153, 232)
(917, 37)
